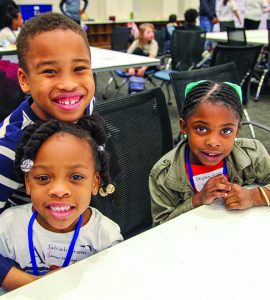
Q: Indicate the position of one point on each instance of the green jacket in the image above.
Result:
(170, 188)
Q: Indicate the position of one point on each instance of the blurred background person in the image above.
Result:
(13, 21)
(72, 9)
(226, 13)
(3, 9)
(254, 10)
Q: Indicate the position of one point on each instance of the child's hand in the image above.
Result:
(240, 198)
(141, 71)
(216, 187)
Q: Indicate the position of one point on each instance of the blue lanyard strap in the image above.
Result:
(31, 243)
(190, 172)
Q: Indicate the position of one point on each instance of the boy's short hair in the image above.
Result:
(43, 23)
(191, 15)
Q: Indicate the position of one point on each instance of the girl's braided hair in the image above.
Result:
(90, 128)
(219, 93)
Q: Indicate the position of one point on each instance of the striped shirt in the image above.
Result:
(11, 130)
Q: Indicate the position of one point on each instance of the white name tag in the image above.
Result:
(201, 179)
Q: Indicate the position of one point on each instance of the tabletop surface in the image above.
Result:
(253, 36)
(107, 60)
(207, 253)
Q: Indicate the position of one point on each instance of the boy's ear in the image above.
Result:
(23, 80)
(183, 128)
(96, 183)
(27, 185)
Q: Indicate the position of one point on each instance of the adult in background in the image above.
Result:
(254, 10)
(208, 18)
(72, 9)
(227, 10)
(3, 9)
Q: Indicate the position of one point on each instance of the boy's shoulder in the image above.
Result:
(12, 126)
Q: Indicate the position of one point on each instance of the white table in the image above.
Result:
(207, 253)
(253, 36)
(107, 60)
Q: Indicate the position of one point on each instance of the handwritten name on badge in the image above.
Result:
(201, 179)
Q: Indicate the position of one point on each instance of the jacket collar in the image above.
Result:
(238, 160)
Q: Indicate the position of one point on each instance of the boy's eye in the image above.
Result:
(226, 131)
(201, 129)
(80, 68)
(77, 177)
(49, 71)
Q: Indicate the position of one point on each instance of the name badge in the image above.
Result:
(201, 179)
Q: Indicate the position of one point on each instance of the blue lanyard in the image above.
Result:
(190, 172)
(31, 243)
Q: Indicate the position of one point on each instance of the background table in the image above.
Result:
(207, 253)
(107, 60)
(253, 36)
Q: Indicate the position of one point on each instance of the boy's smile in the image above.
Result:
(58, 75)
(211, 131)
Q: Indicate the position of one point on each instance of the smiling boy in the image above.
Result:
(55, 69)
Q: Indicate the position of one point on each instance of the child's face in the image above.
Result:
(18, 22)
(59, 75)
(148, 34)
(211, 131)
(62, 181)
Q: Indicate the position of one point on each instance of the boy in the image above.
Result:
(55, 68)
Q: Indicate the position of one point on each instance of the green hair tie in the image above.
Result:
(191, 85)
(237, 88)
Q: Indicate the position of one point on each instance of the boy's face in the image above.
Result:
(59, 75)
(62, 181)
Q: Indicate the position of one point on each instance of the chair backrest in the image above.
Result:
(120, 38)
(140, 134)
(245, 58)
(236, 36)
(160, 37)
(221, 73)
(187, 47)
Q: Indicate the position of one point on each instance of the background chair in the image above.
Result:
(120, 38)
(265, 67)
(220, 73)
(140, 134)
(187, 47)
(236, 36)
(245, 58)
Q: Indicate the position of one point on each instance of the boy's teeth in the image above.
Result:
(60, 208)
(68, 102)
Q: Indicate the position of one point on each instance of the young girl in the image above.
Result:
(210, 163)
(62, 165)
(145, 45)
(13, 22)
(227, 10)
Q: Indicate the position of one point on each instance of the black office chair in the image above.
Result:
(140, 134)
(236, 36)
(187, 47)
(220, 73)
(245, 58)
(119, 42)
(263, 67)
